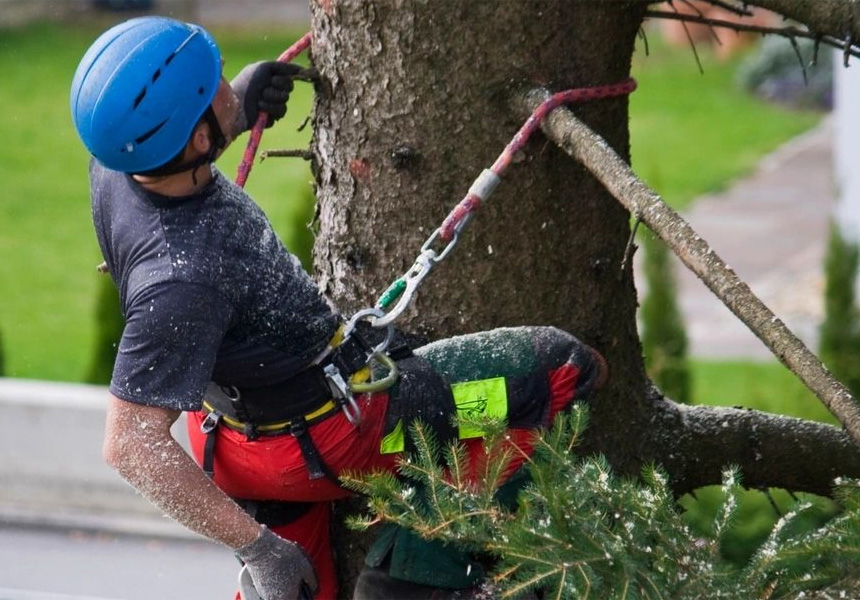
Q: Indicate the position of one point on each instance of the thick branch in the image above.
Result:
(594, 153)
(772, 450)
(838, 18)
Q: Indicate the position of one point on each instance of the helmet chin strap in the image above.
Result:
(219, 142)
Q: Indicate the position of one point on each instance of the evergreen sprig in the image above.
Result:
(579, 531)
(455, 503)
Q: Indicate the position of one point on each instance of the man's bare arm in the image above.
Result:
(138, 444)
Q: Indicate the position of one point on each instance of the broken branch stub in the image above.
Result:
(595, 154)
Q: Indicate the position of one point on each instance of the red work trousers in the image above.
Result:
(272, 468)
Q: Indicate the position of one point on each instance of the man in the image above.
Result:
(222, 322)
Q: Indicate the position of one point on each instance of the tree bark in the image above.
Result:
(695, 443)
(414, 101)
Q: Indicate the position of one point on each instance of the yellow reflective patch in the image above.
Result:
(393, 442)
(485, 397)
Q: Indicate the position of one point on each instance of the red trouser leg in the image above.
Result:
(311, 532)
(272, 468)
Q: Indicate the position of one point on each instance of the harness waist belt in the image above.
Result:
(299, 395)
(274, 428)
(302, 394)
(290, 406)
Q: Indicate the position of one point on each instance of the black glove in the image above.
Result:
(264, 87)
(279, 568)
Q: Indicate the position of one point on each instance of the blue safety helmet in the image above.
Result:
(140, 90)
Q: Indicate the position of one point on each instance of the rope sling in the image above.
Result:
(402, 290)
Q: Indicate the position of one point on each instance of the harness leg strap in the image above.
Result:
(208, 427)
(317, 469)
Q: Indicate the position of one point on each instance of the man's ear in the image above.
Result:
(201, 139)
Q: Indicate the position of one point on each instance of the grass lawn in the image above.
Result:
(694, 133)
(48, 249)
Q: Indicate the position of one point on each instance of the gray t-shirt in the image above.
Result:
(208, 291)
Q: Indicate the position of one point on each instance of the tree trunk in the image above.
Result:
(414, 102)
(412, 107)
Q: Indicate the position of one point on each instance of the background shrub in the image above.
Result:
(109, 324)
(840, 331)
(664, 340)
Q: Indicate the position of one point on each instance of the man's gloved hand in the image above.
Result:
(278, 567)
(264, 86)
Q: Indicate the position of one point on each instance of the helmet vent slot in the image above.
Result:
(139, 99)
(156, 75)
(150, 133)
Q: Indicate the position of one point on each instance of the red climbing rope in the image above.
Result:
(257, 131)
(473, 200)
(403, 288)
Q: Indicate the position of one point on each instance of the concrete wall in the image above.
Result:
(52, 471)
(254, 12)
(18, 12)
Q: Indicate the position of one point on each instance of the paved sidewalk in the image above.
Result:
(772, 229)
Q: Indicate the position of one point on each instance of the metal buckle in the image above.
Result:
(210, 422)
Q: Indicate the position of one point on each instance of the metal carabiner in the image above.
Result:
(369, 314)
(379, 384)
(412, 278)
(439, 257)
(351, 410)
(340, 390)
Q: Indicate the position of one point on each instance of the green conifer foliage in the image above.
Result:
(840, 331)
(581, 532)
(664, 340)
(109, 326)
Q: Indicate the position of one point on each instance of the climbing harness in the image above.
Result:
(316, 393)
(396, 298)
